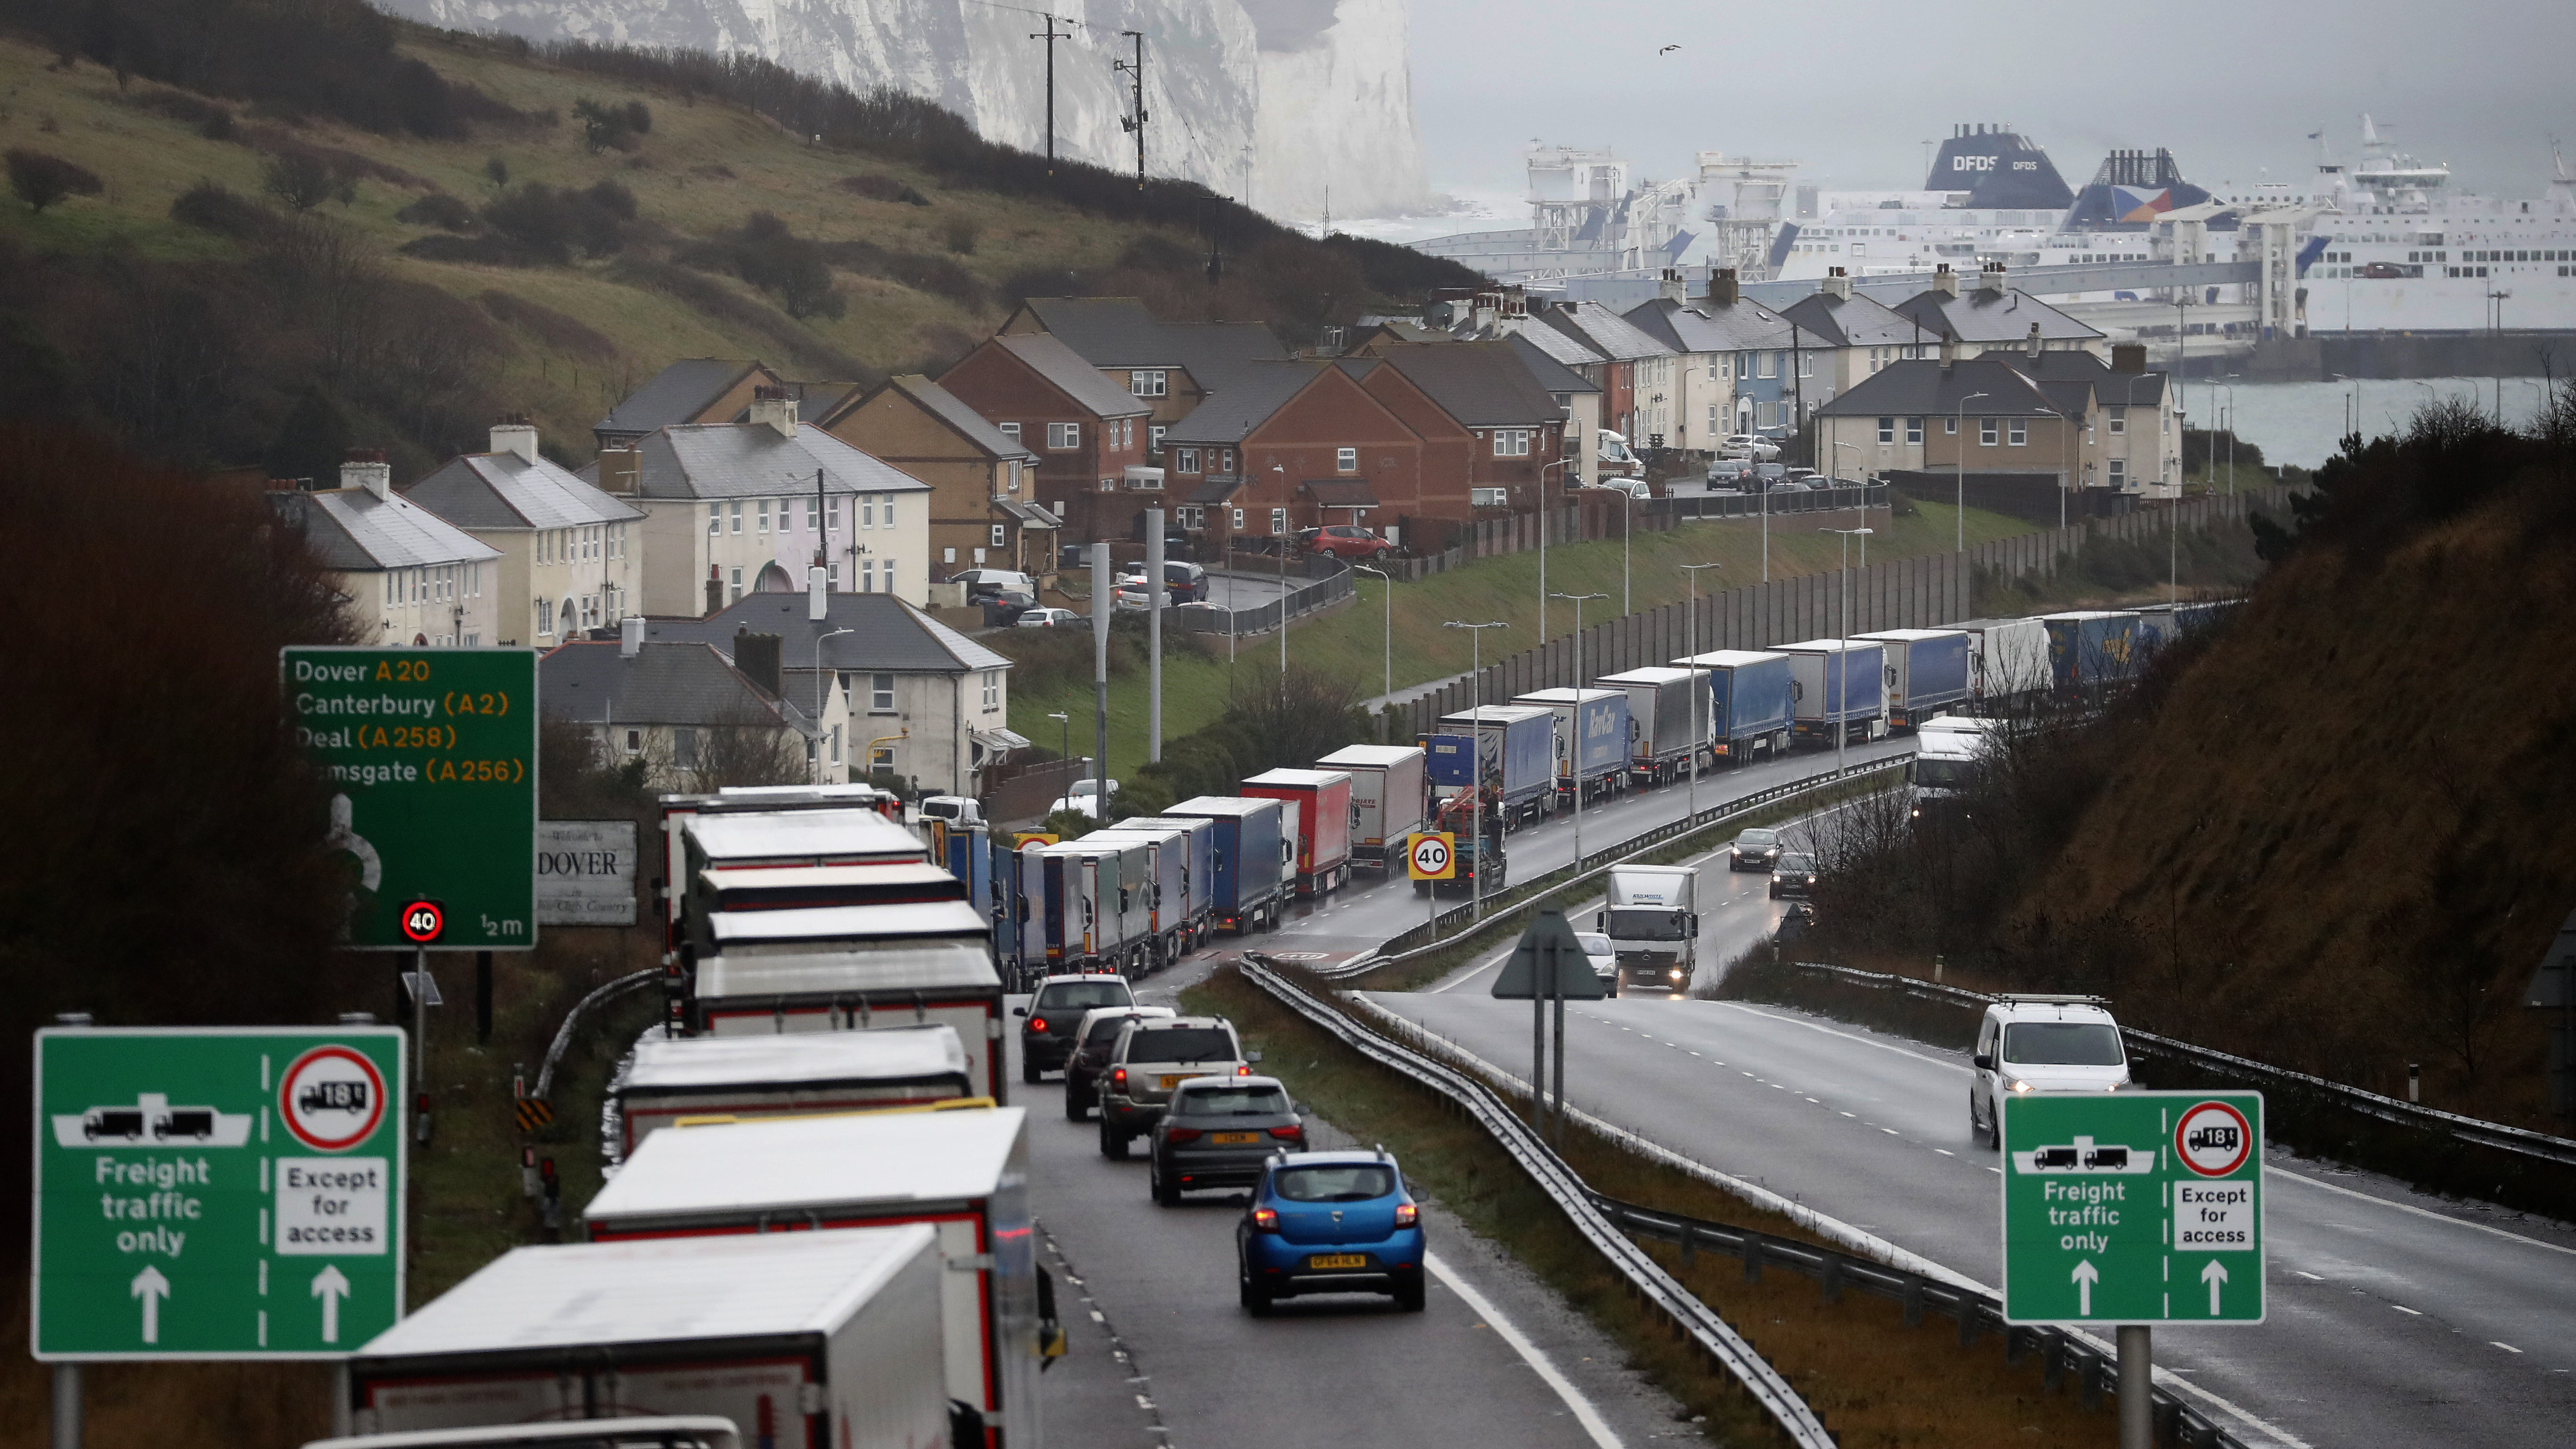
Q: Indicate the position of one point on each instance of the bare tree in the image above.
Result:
(746, 745)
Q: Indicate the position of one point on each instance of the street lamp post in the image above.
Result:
(1063, 734)
(1546, 525)
(818, 700)
(1390, 629)
(1574, 748)
(1959, 431)
(1476, 754)
(1840, 446)
(2230, 385)
(1699, 691)
(1842, 656)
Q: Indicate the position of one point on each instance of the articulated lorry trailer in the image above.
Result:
(1388, 789)
(797, 1074)
(1752, 702)
(1089, 902)
(2007, 662)
(1926, 672)
(1172, 928)
(2090, 648)
(1253, 854)
(1592, 738)
(1515, 758)
(1660, 718)
(1841, 690)
(1316, 815)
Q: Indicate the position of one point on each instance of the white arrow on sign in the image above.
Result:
(2086, 1275)
(2215, 1275)
(151, 1287)
(330, 1287)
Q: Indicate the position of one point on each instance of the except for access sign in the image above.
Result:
(433, 757)
(2133, 1207)
(1432, 857)
(217, 1192)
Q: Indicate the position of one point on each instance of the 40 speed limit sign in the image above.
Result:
(1432, 857)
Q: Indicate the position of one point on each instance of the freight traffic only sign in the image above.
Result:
(432, 756)
(2133, 1207)
(219, 1192)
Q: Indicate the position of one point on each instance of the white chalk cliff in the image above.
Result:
(1271, 101)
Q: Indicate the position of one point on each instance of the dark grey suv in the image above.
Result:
(1150, 1060)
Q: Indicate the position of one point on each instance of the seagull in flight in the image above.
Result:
(1667, 50)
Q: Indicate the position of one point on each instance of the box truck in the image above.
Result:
(855, 968)
(1947, 752)
(1660, 722)
(1389, 785)
(1317, 817)
(965, 1173)
(1198, 875)
(1253, 854)
(1168, 922)
(1926, 672)
(829, 1340)
(1752, 702)
(1651, 916)
(2089, 648)
(1841, 690)
(2007, 662)
(1516, 758)
(1592, 738)
(1091, 902)
(792, 1075)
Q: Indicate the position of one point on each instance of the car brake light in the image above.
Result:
(1406, 1215)
(1182, 1134)
(1119, 1076)
(1265, 1220)
(1290, 1133)
(1037, 1023)
(1243, 1071)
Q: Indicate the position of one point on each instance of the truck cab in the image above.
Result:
(1652, 920)
(1948, 752)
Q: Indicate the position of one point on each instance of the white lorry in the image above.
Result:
(1652, 919)
(794, 1074)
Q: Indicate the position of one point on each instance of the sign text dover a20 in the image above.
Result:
(217, 1192)
(432, 758)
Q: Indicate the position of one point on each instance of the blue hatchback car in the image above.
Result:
(1330, 1222)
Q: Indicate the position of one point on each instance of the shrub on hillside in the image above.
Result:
(212, 121)
(41, 179)
(608, 126)
(961, 234)
(304, 181)
(441, 210)
(767, 255)
(882, 188)
(552, 224)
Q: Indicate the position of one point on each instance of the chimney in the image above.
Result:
(619, 468)
(1837, 284)
(715, 591)
(774, 406)
(1945, 281)
(1949, 349)
(366, 468)
(756, 655)
(515, 434)
(1990, 278)
(1515, 301)
(630, 636)
(2033, 343)
(2129, 357)
(816, 606)
(1721, 288)
(1672, 288)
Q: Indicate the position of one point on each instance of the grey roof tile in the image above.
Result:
(754, 460)
(676, 394)
(1977, 315)
(1241, 396)
(664, 683)
(1544, 368)
(1927, 387)
(1858, 320)
(1074, 377)
(886, 634)
(501, 492)
(1481, 384)
(1604, 331)
(354, 531)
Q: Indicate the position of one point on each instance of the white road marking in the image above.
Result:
(2500, 1343)
(1847, 1036)
(2410, 1312)
(1584, 1414)
(2311, 1277)
(2307, 1181)
(1890, 1131)
(1945, 1152)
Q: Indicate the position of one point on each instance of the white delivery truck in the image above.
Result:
(826, 1340)
(796, 1074)
(965, 1173)
(1947, 752)
(2007, 662)
(1652, 919)
(1387, 795)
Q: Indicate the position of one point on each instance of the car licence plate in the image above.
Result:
(1233, 1138)
(1170, 1082)
(1337, 1260)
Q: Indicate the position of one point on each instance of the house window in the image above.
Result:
(992, 690)
(734, 583)
(1950, 426)
(867, 575)
(948, 555)
(1985, 432)
(2019, 434)
(1489, 497)
(737, 515)
(715, 520)
(1190, 516)
(2119, 470)
(1146, 384)
(1887, 430)
(1010, 430)
(1767, 364)
(881, 693)
(764, 515)
(1064, 437)
(832, 576)
(881, 760)
(1806, 364)
(1185, 460)
(1511, 442)
(684, 747)
(1225, 460)
(1914, 430)
(813, 513)
(1000, 537)
(831, 514)
(836, 744)
(634, 742)
(2119, 420)
(1238, 520)
(545, 616)
(1346, 460)
(867, 506)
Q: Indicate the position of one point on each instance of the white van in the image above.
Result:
(2041, 1044)
(1613, 459)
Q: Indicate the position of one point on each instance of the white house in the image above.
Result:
(571, 555)
(410, 576)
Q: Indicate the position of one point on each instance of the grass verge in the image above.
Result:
(1873, 1380)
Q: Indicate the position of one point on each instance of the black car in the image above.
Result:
(1218, 1132)
(1753, 850)
(1794, 875)
(1099, 1032)
(1046, 1035)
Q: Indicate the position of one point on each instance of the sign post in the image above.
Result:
(1432, 856)
(219, 1192)
(2133, 1209)
(1547, 965)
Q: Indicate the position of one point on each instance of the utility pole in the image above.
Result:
(1136, 123)
(1051, 35)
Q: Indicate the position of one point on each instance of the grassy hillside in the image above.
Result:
(917, 259)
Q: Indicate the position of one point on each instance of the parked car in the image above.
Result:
(1753, 850)
(1636, 488)
(982, 584)
(1055, 1010)
(1793, 875)
(1330, 1222)
(1770, 472)
(1134, 598)
(1343, 540)
(1187, 581)
(1005, 606)
(1729, 474)
(1149, 1060)
(957, 810)
(1095, 1036)
(1049, 618)
(1219, 1132)
(1749, 445)
(1613, 458)
(1605, 961)
(2043, 1045)
(1080, 797)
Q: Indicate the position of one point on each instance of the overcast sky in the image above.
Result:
(1853, 87)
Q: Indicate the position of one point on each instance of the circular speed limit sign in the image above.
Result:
(1432, 857)
(422, 921)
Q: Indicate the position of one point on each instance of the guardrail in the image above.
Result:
(1690, 1317)
(1398, 948)
(1305, 598)
(1685, 502)
(2517, 1140)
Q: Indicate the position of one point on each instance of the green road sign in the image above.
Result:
(2133, 1207)
(218, 1192)
(434, 754)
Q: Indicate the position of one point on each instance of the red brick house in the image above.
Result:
(1280, 446)
(1490, 432)
(1089, 435)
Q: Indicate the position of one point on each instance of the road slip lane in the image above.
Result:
(1873, 1130)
